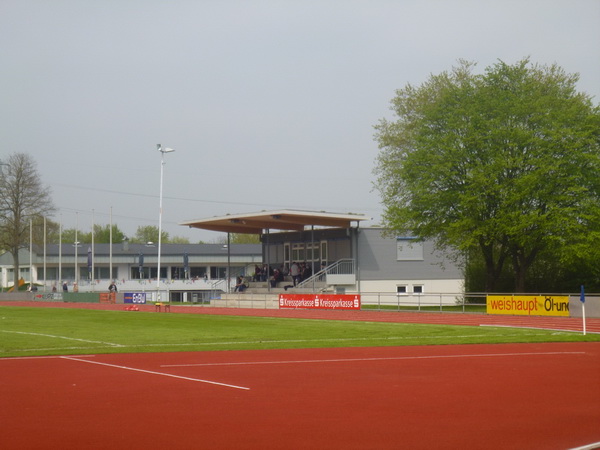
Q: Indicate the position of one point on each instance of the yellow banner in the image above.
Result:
(528, 305)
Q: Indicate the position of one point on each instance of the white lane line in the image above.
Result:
(63, 337)
(313, 361)
(54, 349)
(594, 446)
(156, 373)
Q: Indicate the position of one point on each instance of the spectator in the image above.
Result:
(306, 271)
(257, 273)
(295, 273)
(240, 286)
(276, 278)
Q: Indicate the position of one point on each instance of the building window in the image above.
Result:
(324, 251)
(219, 273)
(140, 273)
(407, 249)
(418, 289)
(298, 252)
(197, 272)
(401, 289)
(312, 251)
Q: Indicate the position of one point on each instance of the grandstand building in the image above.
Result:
(341, 257)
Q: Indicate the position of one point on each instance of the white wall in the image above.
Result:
(435, 292)
(429, 286)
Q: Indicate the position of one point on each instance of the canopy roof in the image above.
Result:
(289, 220)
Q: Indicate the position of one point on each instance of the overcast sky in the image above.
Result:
(268, 104)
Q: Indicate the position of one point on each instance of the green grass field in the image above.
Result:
(56, 331)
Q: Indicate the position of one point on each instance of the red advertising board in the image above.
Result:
(319, 301)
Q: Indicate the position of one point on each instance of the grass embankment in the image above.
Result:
(49, 331)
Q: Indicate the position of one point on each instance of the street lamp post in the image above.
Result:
(162, 151)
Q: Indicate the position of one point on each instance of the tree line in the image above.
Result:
(101, 234)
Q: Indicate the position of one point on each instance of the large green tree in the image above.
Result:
(23, 199)
(505, 162)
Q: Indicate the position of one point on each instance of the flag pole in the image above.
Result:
(93, 251)
(582, 299)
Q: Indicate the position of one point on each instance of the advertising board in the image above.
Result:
(319, 301)
(135, 297)
(529, 305)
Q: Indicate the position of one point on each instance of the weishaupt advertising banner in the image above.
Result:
(528, 305)
(319, 301)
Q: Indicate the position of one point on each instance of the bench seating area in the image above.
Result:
(262, 287)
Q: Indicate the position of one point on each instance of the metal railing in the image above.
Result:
(378, 301)
(340, 267)
(389, 301)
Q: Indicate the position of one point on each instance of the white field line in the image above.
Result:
(393, 358)
(54, 349)
(155, 373)
(535, 328)
(110, 344)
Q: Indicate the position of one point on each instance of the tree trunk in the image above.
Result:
(15, 255)
(520, 277)
(521, 263)
(493, 263)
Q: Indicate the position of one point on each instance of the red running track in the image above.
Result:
(507, 396)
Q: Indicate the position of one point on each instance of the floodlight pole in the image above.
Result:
(1, 271)
(160, 200)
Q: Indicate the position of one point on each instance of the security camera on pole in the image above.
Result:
(162, 163)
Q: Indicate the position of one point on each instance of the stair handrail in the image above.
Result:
(345, 266)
